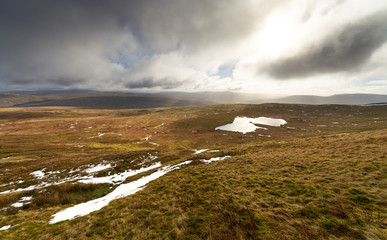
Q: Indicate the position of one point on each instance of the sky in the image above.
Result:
(283, 47)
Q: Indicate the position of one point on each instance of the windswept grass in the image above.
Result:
(323, 178)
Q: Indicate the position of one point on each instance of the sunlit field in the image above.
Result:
(166, 173)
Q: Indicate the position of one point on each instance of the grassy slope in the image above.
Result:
(8, 100)
(318, 183)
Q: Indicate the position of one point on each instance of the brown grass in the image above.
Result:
(311, 182)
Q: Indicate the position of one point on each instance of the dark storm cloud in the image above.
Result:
(346, 50)
(87, 41)
(47, 41)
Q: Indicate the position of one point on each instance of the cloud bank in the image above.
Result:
(189, 45)
(347, 49)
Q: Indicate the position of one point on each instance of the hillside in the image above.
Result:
(8, 99)
(116, 102)
(168, 174)
(352, 99)
(135, 100)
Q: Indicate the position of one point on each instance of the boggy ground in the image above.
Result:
(321, 176)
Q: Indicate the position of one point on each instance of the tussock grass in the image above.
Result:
(321, 180)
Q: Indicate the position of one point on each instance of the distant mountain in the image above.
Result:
(99, 99)
(349, 99)
(116, 102)
(218, 97)
(8, 99)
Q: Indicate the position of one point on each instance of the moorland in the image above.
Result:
(322, 175)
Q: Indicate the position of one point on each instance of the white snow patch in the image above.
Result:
(5, 227)
(42, 185)
(269, 121)
(120, 192)
(214, 159)
(25, 199)
(112, 179)
(212, 151)
(147, 138)
(156, 144)
(38, 174)
(245, 124)
(197, 151)
(17, 204)
(98, 168)
(22, 201)
(159, 125)
(119, 177)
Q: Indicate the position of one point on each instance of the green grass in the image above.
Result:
(299, 184)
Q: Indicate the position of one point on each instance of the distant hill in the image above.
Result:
(349, 99)
(8, 99)
(116, 102)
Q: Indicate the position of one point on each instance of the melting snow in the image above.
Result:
(212, 151)
(156, 144)
(119, 177)
(214, 159)
(120, 192)
(113, 179)
(245, 124)
(98, 168)
(159, 125)
(17, 204)
(197, 151)
(5, 227)
(38, 174)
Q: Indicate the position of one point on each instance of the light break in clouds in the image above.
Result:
(280, 46)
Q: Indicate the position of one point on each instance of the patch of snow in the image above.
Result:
(100, 134)
(214, 159)
(5, 227)
(119, 177)
(245, 124)
(41, 185)
(156, 144)
(147, 138)
(112, 179)
(38, 174)
(22, 202)
(197, 151)
(98, 168)
(268, 121)
(159, 125)
(121, 191)
(212, 151)
(25, 199)
(6, 158)
(17, 204)
(148, 158)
